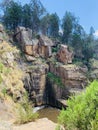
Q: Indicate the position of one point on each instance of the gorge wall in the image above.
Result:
(40, 61)
(47, 77)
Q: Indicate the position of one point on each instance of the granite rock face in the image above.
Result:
(64, 55)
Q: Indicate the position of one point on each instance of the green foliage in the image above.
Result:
(1, 67)
(38, 11)
(82, 111)
(4, 69)
(57, 127)
(0, 79)
(44, 25)
(55, 49)
(67, 26)
(12, 15)
(28, 15)
(50, 25)
(54, 25)
(4, 91)
(56, 79)
(25, 112)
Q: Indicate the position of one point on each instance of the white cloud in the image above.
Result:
(96, 34)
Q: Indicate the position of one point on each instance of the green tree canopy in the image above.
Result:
(26, 15)
(54, 25)
(12, 15)
(68, 23)
(38, 11)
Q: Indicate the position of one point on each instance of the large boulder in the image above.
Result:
(64, 55)
(34, 47)
(45, 45)
(24, 37)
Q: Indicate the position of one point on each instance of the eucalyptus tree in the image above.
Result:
(12, 15)
(67, 26)
(38, 11)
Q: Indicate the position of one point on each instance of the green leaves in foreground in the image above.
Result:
(82, 111)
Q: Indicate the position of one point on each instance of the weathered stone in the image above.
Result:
(45, 43)
(33, 47)
(71, 75)
(94, 69)
(30, 58)
(35, 82)
(23, 36)
(64, 55)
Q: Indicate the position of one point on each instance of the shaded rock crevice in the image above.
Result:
(54, 93)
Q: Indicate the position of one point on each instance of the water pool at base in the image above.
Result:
(50, 113)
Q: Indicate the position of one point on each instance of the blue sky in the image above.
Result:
(86, 10)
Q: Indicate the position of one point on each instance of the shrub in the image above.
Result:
(25, 112)
(1, 67)
(82, 110)
(4, 91)
(56, 79)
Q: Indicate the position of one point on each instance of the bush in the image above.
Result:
(56, 79)
(4, 91)
(25, 112)
(82, 111)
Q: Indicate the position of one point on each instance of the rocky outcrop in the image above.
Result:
(35, 82)
(72, 76)
(64, 55)
(45, 45)
(34, 47)
(35, 67)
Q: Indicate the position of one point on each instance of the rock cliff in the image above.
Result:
(34, 62)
